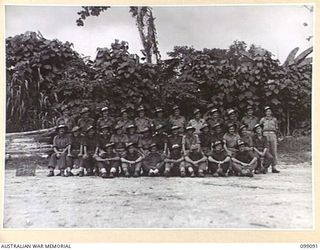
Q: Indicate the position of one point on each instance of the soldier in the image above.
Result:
(76, 147)
(177, 120)
(132, 135)
(85, 121)
(145, 141)
(205, 138)
(270, 129)
(174, 163)
(243, 163)
(153, 162)
(189, 139)
(175, 137)
(214, 117)
(131, 161)
(161, 139)
(124, 120)
(249, 119)
(119, 139)
(108, 161)
(232, 118)
(160, 119)
(106, 119)
(219, 160)
(230, 139)
(61, 147)
(197, 122)
(104, 135)
(142, 121)
(260, 146)
(66, 118)
(217, 132)
(196, 162)
(246, 136)
(90, 150)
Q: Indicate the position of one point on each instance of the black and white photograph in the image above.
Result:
(159, 117)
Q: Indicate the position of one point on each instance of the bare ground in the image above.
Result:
(281, 201)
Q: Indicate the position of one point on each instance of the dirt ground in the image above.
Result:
(282, 201)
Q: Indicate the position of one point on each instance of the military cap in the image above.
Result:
(119, 126)
(146, 129)
(218, 124)
(158, 110)
(194, 146)
(258, 125)
(243, 126)
(152, 145)
(105, 126)
(175, 127)
(214, 110)
(249, 107)
(130, 126)
(123, 110)
(105, 109)
(110, 144)
(84, 110)
(196, 111)
(218, 142)
(230, 111)
(174, 146)
(240, 142)
(160, 126)
(89, 128)
(140, 108)
(231, 125)
(190, 128)
(128, 145)
(175, 107)
(61, 126)
(267, 108)
(75, 129)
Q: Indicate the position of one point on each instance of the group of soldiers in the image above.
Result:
(165, 146)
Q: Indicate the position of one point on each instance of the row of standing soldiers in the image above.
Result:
(165, 146)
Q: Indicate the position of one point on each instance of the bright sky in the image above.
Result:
(277, 28)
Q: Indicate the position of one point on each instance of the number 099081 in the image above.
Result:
(308, 245)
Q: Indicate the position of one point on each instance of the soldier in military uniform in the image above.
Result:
(142, 121)
(61, 147)
(205, 138)
(188, 139)
(160, 119)
(214, 117)
(153, 162)
(124, 120)
(132, 135)
(197, 122)
(230, 139)
(177, 120)
(196, 161)
(243, 163)
(76, 147)
(232, 118)
(218, 160)
(106, 119)
(66, 118)
(119, 139)
(108, 161)
(90, 149)
(131, 161)
(246, 136)
(160, 138)
(174, 137)
(85, 121)
(217, 132)
(175, 163)
(250, 119)
(145, 141)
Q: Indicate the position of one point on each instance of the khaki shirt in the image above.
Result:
(250, 121)
(269, 124)
(178, 121)
(105, 121)
(196, 124)
(231, 140)
(187, 140)
(61, 141)
(142, 123)
(66, 120)
(84, 123)
(124, 124)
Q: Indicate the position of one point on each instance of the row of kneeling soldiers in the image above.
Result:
(159, 154)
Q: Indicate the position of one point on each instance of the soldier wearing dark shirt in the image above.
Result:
(246, 137)
(90, 147)
(132, 135)
(205, 138)
(153, 163)
(196, 162)
(76, 147)
(250, 119)
(174, 163)
(175, 137)
(119, 139)
(160, 138)
(124, 120)
(160, 119)
(145, 141)
(131, 161)
(217, 132)
(232, 118)
(219, 160)
(66, 118)
(106, 119)
(108, 161)
(85, 121)
(243, 163)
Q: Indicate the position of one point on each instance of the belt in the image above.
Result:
(269, 131)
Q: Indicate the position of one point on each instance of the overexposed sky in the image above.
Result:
(278, 28)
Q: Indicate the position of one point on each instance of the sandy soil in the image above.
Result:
(282, 201)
